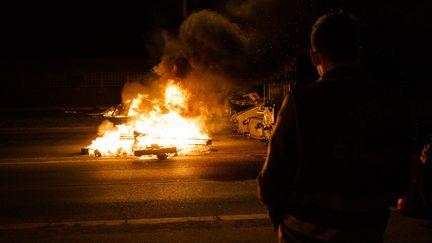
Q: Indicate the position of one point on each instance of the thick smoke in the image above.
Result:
(248, 41)
(218, 53)
(209, 58)
(151, 87)
(172, 58)
(212, 43)
(274, 30)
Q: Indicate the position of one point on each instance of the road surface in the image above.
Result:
(51, 193)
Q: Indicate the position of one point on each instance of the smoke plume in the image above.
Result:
(213, 44)
(218, 53)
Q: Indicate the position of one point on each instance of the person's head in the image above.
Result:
(337, 38)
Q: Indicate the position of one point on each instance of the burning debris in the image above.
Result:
(154, 127)
(214, 53)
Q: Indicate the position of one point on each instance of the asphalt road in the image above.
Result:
(49, 192)
(45, 183)
(44, 179)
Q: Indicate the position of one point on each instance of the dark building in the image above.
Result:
(68, 82)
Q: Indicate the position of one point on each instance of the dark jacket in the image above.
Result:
(345, 137)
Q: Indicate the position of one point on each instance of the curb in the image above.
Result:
(143, 221)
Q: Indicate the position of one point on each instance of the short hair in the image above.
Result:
(338, 35)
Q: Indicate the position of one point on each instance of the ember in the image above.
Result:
(161, 131)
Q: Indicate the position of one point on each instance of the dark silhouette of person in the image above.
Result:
(337, 159)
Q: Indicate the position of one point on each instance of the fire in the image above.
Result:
(160, 130)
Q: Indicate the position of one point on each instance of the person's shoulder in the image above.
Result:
(307, 87)
(312, 89)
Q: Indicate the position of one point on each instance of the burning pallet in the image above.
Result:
(161, 152)
(151, 126)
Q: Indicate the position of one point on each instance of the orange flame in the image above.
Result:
(162, 126)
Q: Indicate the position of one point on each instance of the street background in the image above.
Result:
(51, 193)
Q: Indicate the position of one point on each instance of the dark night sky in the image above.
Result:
(77, 31)
(30, 32)
(70, 30)
(113, 30)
